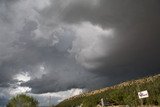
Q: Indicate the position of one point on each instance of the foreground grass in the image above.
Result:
(122, 94)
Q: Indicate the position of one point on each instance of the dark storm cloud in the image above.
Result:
(8, 1)
(31, 53)
(111, 13)
(62, 71)
(135, 50)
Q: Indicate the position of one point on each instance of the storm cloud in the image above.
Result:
(135, 47)
(61, 45)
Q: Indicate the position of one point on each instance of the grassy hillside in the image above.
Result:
(121, 94)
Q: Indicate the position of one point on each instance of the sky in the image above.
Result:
(54, 49)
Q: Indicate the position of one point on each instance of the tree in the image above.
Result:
(22, 100)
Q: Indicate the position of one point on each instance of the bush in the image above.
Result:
(22, 100)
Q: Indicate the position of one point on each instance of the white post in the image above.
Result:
(141, 100)
(102, 102)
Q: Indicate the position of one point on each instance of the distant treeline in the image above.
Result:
(122, 94)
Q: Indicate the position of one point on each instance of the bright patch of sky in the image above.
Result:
(22, 77)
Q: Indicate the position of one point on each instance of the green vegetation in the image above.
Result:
(122, 94)
(22, 100)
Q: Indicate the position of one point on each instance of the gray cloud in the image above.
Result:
(60, 67)
(31, 53)
(3, 101)
(129, 18)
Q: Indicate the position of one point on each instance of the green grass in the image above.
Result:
(122, 94)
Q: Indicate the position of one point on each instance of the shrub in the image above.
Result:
(22, 100)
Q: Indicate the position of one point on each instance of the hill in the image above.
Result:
(125, 93)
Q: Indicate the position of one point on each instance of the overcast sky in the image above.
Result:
(60, 48)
